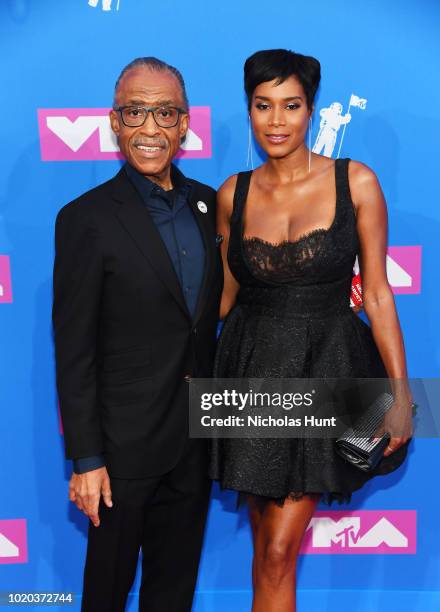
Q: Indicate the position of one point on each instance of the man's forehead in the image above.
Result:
(144, 83)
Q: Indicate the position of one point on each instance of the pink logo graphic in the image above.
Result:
(377, 532)
(404, 268)
(5, 280)
(78, 134)
(13, 541)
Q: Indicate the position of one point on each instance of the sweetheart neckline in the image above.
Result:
(284, 243)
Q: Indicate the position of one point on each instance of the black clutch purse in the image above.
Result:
(355, 444)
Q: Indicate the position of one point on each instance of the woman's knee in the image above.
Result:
(275, 561)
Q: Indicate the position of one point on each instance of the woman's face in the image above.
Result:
(279, 116)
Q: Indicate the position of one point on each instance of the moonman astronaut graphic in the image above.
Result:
(331, 121)
(106, 4)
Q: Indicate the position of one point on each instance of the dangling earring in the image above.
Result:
(249, 152)
(310, 143)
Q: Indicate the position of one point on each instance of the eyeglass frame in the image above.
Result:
(152, 109)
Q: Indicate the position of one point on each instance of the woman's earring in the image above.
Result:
(310, 143)
(249, 153)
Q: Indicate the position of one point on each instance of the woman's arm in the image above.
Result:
(225, 198)
(378, 299)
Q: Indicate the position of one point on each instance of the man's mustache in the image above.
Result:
(144, 142)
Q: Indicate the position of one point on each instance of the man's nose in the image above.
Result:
(150, 126)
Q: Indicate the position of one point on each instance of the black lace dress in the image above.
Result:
(292, 319)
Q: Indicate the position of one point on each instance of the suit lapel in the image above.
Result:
(202, 218)
(137, 221)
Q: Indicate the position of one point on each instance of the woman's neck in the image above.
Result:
(288, 169)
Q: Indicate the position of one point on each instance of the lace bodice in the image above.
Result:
(320, 256)
(280, 262)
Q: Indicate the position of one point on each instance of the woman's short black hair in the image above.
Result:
(280, 64)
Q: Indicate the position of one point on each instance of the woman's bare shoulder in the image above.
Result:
(363, 182)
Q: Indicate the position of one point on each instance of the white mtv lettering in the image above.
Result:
(192, 142)
(397, 276)
(75, 133)
(8, 548)
(326, 531)
(383, 532)
(345, 531)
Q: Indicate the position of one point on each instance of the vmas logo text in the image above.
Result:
(372, 532)
(13, 541)
(80, 134)
(5, 280)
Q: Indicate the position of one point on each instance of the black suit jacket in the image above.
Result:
(125, 342)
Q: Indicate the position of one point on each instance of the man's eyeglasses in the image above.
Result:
(164, 116)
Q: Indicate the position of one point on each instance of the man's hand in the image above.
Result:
(85, 491)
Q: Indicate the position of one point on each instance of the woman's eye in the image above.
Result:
(292, 106)
(262, 106)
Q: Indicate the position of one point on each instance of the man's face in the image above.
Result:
(149, 148)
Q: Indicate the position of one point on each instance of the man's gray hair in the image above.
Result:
(153, 64)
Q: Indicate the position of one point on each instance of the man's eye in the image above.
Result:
(165, 112)
(134, 112)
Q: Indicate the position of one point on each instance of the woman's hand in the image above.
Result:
(398, 423)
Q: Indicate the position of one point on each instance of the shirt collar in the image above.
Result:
(147, 188)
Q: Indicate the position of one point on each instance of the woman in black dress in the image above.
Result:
(292, 229)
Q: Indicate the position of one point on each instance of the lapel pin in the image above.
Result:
(202, 206)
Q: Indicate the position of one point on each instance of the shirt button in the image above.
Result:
(186, 289)
(187, 378)
(183, 252)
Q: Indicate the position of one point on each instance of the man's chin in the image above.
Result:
(150, 167)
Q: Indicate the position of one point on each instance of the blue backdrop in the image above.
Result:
(381, 56)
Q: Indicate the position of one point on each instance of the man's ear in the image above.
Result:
(183, 127)
(114, 122)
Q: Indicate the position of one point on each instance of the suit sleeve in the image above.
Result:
(77, 284)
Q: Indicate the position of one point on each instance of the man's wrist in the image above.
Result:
(87, 464)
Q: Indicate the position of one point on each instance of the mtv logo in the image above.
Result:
(84, 134)
(5, 280)
(13, 541)
(374, 532)
(404, 268)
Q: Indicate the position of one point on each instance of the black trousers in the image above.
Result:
(164, 517)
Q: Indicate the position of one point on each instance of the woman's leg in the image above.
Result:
(256, 507)
(277, 539)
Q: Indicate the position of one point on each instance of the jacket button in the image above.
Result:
(187, 378)
(195, 331)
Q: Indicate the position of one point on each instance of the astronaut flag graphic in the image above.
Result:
(359, 102)
(332, 119)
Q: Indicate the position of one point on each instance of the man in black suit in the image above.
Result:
(137, 283)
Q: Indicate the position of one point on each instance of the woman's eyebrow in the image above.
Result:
(284, 99)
